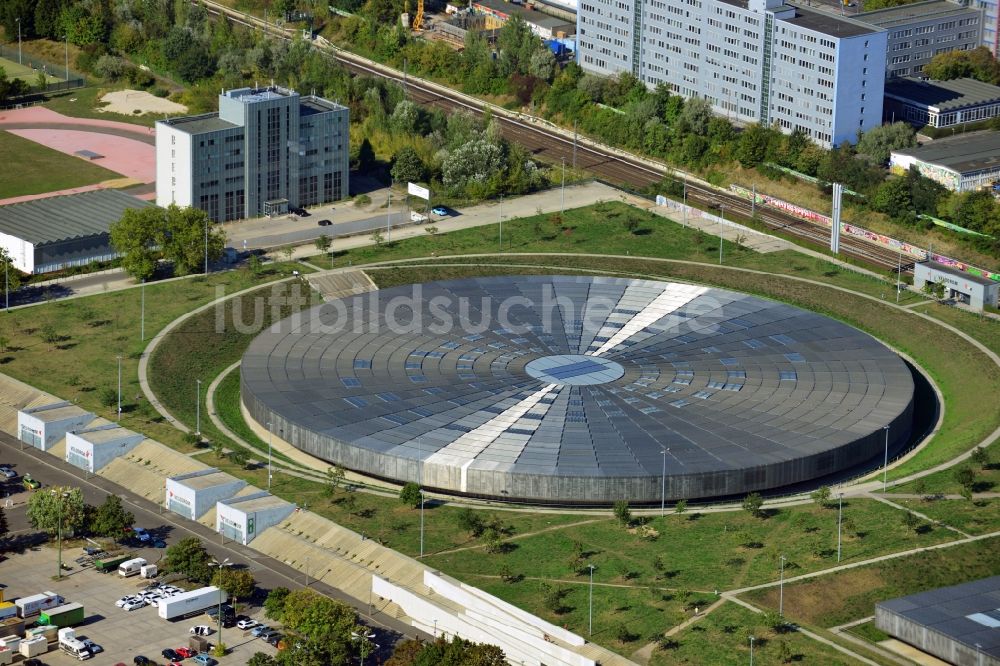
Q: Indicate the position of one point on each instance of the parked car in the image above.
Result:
(158, 543)
(141, 534)
(134, 605)
(140, 660)
(92, 646)
(37, 662)
(170, 654)
(205, 660)
(201, 630)
(274, 639)
(324, 223)
(439, 210)
(185, 652)
(30, 483)
(261, 629)
(125, 600)
(7, 472)
(246, 624)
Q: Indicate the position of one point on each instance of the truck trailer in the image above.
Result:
(131, 567)
(189, 604)
(36, 603)
(110, 564)
(68, 615)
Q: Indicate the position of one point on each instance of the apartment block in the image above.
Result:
(267, 149)
(755, 61)
(920, 31)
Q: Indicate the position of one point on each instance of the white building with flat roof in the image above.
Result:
(243, 518)
(94, 447)
(192, 495)
(43, 427)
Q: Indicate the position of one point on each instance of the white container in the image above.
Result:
(148, 571)
(131, 567)
(6, 656)
(36, 603)
(10, 642)
(190, 603)
(32, 647)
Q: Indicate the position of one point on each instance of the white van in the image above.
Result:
(131, 567)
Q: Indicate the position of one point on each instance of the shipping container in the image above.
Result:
(68, 615)
(188, 604)
(36, 603)
(110, 564)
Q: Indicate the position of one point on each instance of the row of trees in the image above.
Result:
(45, 508)
(182, 236)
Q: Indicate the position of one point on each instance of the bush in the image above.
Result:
(139, 78)
(160, 91)
(109, 67)
(410, 495)
(362, 200)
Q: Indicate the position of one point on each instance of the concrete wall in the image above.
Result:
(524, 638)
(173, 166)
(21, 252)
(100, 454)
(50, 430)
(930, 641)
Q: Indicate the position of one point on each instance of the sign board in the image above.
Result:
(418, 191)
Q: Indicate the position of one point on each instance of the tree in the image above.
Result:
(407, 167)
(892, 197)
(236, 582)
(274, 604)
(410, 495)
(334, 478)
(431, 230)
(879, 141)
(238, 457)
(189, 557)
(46, 506)
(753, 504)
(10, 88)
(323, 243)
(261, 659)
(472, 162)
(377, 237)
(11, 276)
(784, 652)
(981, 457)
(323, 624)
(112, 518)
(821, 496)
(979, 63)
(136, 238)
(470, 521)
(184, 239)
(964, 476)
(681, 506)
(752, 146)
(911, 520)
(622, 512)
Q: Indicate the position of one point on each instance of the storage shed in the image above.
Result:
(243, 518)
(192, 495)
(42, 427)
(974, 290)
(93, 448)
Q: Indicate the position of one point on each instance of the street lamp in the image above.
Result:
(840, 520)
(663, 483)
(590, 608)
(885, 464)
(781, 589)
(67, 59)
(221, 566)
(751, 651)
(306, 569)
(206, 245)
(59, 496)
(197, 408)
(500, 220)
(365, 645)
(142, 309)
(562, 205)
(119, 388)
(270, 434)
(18, 19)
(722, 229)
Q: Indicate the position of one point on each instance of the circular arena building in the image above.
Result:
(572, 390)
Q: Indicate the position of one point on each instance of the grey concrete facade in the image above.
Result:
(744, 394)
(972, 289)
(93, 448)
(192, 495)
(922, 30)
(756, 61)
(266, 150)
(43, 426)
(243, 518)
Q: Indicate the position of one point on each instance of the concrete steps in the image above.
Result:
(341, 285)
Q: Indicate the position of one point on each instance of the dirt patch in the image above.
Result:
(138, 102)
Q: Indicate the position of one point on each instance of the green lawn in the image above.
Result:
(85, 103)
(980, 516)
(41, 169)
(85, 335)
(984, 329)
(722, 639)
(703, 551)
(849, 595)
(943, 482)
(24, 72)
(963, 373)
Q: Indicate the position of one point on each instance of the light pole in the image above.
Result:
(722, 229)
(270, 434)
(500, 220)
(365, 645)
(562, 204)
(663, 484)
(885, 463)
(18, 19)
(840, 520)
(197, 408)
(751, 651)
(388, 216)
(221, 566)
(60, 496)
(781, 589)
(119, 357)
(206, 245)
(142, 311)
(590, 604)
(899, 274)
(67, 58)
(6, 284)
(307, 571)
(420, 483)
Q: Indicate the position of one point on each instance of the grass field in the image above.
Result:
(25, 72)
(84, 103)
(40, 169)
(962, 372)
(851, 595)
(69, 348)
(943, 482)
(722, 638)
(980, 516)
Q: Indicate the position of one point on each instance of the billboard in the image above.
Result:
(418, 191)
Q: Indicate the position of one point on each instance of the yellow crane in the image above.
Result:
(418, 20)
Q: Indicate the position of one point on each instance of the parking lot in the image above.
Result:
(122, 634)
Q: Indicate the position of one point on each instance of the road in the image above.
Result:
(546, 143)
(307, 229)
(270, 573)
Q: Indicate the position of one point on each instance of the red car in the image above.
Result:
(184, 652)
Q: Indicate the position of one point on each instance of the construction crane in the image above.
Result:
(418, 20)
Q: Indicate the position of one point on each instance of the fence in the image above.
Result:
(74, 81)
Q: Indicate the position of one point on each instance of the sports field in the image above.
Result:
(40, 169)
(25, 72)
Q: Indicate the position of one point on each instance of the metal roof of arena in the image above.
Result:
(568, 389)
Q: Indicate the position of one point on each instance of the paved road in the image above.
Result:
(269, 572)
(307, 229)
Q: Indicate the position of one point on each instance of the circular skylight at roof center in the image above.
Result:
(574, 370)
(569, 389)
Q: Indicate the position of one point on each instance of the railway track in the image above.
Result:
(554, 147)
